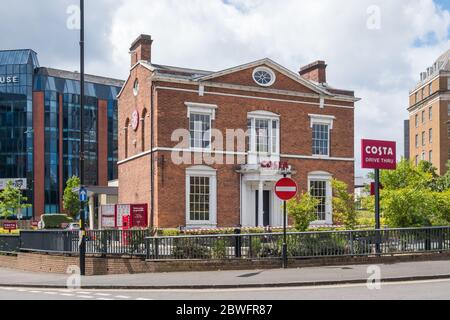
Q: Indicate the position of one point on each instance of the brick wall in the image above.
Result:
(114, 266)
(170, 114)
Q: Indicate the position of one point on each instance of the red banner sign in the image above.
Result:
(10, 226)
(378, 154)
(139, 217)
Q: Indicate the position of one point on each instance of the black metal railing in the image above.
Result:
(301, 245)
(104, 242)
(9, 243)
(234, 246)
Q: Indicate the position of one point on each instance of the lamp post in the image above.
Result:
(82, 204)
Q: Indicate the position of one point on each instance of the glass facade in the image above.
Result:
(20, 76)
(16, 116)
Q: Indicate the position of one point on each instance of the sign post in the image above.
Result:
(285, 189)
(10, 226)
(378, 155)
(81, 169)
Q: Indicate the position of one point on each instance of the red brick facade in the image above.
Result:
(162, 97)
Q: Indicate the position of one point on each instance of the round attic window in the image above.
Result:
(264, 76)
(136, 87)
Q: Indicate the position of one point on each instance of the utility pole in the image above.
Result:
(82, 203)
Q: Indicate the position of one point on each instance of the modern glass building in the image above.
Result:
(40, 128)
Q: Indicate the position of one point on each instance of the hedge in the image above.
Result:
(54, 221)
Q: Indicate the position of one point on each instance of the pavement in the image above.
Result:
(309, 276)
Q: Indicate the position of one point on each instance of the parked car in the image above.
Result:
(73, 226)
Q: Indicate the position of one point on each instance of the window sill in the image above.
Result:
(200, 225)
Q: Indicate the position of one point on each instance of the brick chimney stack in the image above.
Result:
(315, 71)
(141, 49)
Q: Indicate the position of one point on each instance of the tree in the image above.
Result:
(344, 211)
(414, 196)
(71, 200)
(11, 200)
(303, 210)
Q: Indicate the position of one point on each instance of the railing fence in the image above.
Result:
(234, 246)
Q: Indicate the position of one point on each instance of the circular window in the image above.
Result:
(136, 87)
(264, 76)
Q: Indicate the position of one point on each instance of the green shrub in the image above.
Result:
(186, 248)
(303, 210)
(54, 221)
(219, 249)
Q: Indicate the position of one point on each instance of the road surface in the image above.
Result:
(422, 290)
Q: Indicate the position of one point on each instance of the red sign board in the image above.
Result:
(139, 216)
(372, 188)
(378, 154)
(10, 226)
(286, 189)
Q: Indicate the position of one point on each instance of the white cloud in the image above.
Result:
(380, 65)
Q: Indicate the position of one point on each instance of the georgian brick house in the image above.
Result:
(293, 118)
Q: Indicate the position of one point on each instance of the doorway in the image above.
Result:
(266, 208)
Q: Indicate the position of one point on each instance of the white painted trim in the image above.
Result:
(272, 64)
(254, 97)
(254, 89)
(323, 176)
(139, 155)
(263, 114)
(322, 119)
(292, 156)
(202, 171)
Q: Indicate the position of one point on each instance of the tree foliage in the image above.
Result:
(303, 210)
(344, 211)
(71, 200)
(414, 196)
(11, 200)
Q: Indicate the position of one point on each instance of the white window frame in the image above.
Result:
(327, 177)
(430, 135)
(264, 115)
(201, 109)
(324, 120)
(265, 69)
(202, 171)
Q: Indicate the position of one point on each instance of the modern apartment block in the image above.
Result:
(40, 128)
(429, 115)
(177, 125)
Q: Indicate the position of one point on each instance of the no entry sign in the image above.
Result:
(377, 154)
(286, 189)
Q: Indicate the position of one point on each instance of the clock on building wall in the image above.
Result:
(135, 120)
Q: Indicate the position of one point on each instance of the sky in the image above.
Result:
(375, 47)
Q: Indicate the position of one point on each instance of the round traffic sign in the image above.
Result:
(286, 189)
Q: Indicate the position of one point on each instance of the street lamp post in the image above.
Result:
(82, 204)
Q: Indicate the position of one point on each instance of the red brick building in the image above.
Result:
(203, 148)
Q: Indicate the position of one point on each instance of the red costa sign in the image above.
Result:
(10, 226)
(378, 154)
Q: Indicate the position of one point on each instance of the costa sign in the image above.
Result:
(377, 154)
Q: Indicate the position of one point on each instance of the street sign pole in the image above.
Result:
(377, 209)
(285, 190)
(285, 259)
(82, 203)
